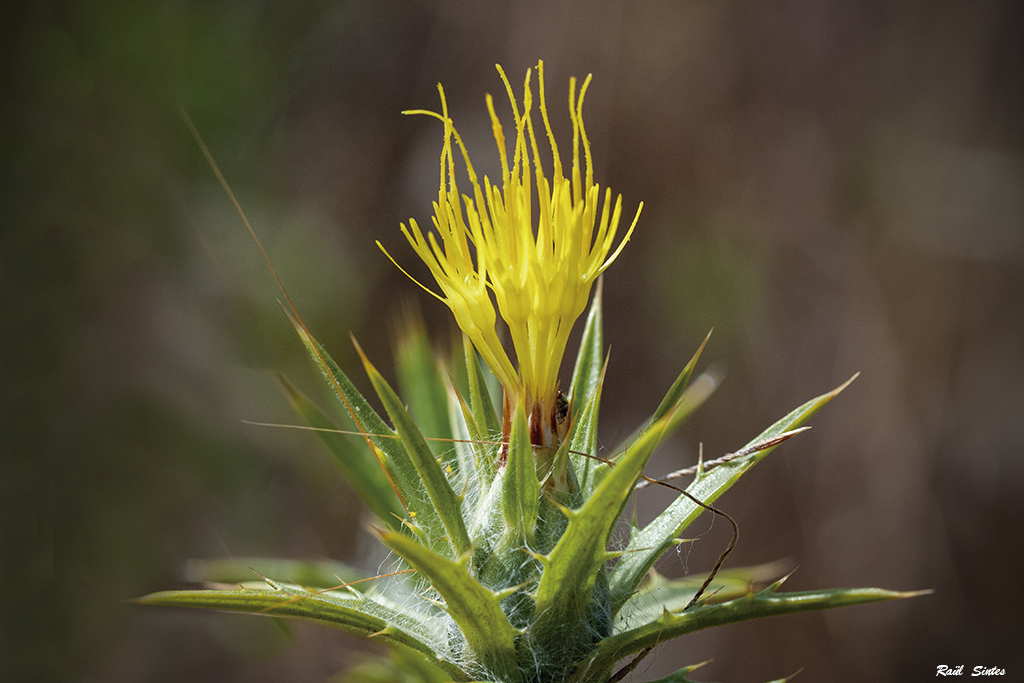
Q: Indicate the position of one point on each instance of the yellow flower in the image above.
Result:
(541, 276)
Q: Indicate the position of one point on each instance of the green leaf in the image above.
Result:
(358, 465)
(584, 438)
(658, 594)
(321, 574)
(418, 669)
(479, 394)
(675, 392)
(476, 610)
(570, 569)
(766, 603)
(692, 398)
(647, 545)
(520, 499)
(379, 436)
(572, 598)
(404, 666)
(421, 382)
(681, 675)
(586, 374)
(443, 504)
(786, 679)
(352, 612)
(485, 459)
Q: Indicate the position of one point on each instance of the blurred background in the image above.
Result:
(834, 187)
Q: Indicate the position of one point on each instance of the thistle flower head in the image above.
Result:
(517, 578)
(536, 243)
